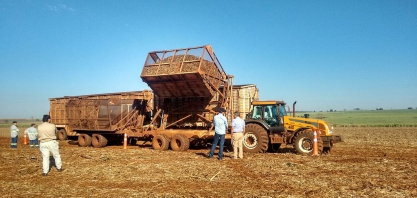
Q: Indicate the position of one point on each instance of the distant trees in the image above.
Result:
(410, 108)
(379, 109)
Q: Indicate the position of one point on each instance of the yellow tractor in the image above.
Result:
(268, 127)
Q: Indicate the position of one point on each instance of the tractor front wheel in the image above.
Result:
(303, 142)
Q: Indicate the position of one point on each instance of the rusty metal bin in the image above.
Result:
(187, 72)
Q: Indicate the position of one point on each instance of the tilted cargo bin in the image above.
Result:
(187, 72)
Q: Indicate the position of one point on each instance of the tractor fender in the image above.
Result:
(258, 122)
(295, 133)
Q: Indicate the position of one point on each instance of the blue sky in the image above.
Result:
(323, 54)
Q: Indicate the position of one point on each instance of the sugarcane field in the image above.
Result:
(371, 162)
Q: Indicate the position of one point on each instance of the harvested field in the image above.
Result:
(372, 162)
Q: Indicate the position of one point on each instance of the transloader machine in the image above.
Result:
(189, 86)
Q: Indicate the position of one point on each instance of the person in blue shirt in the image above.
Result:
(220, 127)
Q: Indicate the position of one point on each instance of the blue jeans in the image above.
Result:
(14, 142)
(33, 143)
(215, 141)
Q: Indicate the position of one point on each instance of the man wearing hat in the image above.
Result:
(48, 144)
(32, 133)
(14, 132)
(220, 127)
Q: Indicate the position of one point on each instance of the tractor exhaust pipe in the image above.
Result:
(293, 109)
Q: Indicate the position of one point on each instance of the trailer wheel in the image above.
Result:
(304, 142)
(84, 140)
(99, 141)
(255, 139)
(160, 142)
(62, 135)
(180, 143)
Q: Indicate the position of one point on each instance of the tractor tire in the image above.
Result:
(84, 140)
(160, 142)
(303, 142)
(62, 135)
(179, 142)
(255, 139)
(99, 141)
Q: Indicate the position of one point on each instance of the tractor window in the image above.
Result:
(270, 112)
(270, 115)
(282, 111)
(267, 113)
(274, 111)
(256, 113)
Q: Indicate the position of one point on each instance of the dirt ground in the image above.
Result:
(372, 162)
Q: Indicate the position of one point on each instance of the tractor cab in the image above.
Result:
(271, 112)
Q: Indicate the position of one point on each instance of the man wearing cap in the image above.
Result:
(32, 133)
(238, 128)
(220, 127)
(48, 143)
(14, 132)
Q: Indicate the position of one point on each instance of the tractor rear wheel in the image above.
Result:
(255, 139)
(160, 142)
(303, 142)
(84, 140)
(99, 141)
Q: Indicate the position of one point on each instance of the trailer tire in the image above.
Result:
(84, 140)
(179, 142)
(62, 135)
(255, 139)
(99, 141)
(160, 142)
(303, 142)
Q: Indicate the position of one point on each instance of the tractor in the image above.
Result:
(268, 126)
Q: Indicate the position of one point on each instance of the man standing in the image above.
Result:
(220, 127)
(14, 132)
(238, 128)
(32, 133)
(48, 143)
